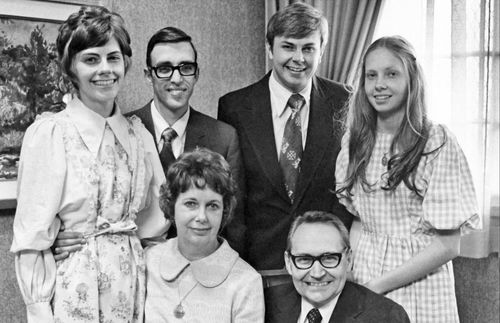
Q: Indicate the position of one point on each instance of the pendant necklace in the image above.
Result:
(179, 309)
(385, 160)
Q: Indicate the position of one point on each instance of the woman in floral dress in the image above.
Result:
(408, 182)
(93, 171)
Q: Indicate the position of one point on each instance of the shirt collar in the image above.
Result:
(325, 310)
(282, 94)
(210, 271)
(161, 124)
(91, 125)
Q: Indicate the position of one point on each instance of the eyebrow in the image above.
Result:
(290, 43)
(172, 64)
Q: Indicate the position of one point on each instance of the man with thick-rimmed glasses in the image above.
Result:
(172, 70)
(318, 257)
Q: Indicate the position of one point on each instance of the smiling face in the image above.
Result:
(295, 60)
(198, 216)
(386, 85)
(318, 285)
(98, 72)
(172, 94)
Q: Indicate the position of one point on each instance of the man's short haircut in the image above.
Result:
(318, 217)
(168, 35)
(297, 20)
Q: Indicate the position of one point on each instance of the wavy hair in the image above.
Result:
(409, 141)
(200, 168)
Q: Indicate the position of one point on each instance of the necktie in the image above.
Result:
(291, 147)
(166, 154)
(314, 316)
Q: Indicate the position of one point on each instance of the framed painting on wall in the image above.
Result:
(30, 79)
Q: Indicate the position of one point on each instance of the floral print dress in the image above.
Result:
(97, 176)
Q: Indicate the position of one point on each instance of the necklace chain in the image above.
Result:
(385, 159)
(179, 309)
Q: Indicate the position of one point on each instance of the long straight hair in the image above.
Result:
(407, 146)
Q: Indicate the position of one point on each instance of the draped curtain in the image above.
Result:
(351, 25)
(475, 107)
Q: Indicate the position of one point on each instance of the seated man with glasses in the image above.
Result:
(318, 257)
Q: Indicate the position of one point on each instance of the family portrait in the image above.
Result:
(249, 161)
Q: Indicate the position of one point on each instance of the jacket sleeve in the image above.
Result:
(224, 113)
(235, 231)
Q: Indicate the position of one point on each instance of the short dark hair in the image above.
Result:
(318, 217)
(199, 168)
(90, 27)
(168, 35)
(297, 20)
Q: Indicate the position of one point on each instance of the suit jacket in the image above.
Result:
(205, 131)
(269, 212)
(355, 304)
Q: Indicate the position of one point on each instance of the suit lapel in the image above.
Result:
(319, 133)
(258, 122)
(349, 305)
(195, 131)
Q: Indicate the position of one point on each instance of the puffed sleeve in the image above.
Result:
(450, 199)
(151, 221)
(42, 170)
(249, 301)
(341, 173)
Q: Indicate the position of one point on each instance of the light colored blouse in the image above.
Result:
(218, 288)
(95, 175)
(398, 225)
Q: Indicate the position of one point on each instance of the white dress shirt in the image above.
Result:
(280, 115)
(325, 310)
(179, 126)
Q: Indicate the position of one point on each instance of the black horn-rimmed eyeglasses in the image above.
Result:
(328, 260)
(166, 71)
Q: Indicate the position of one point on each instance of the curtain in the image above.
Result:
(458, 43)
(351, 26)
(475, 82)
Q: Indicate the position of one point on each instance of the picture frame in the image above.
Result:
(18, 21)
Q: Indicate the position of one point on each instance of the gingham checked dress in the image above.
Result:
(398, 225)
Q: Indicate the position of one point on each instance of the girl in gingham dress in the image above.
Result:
(408, 181)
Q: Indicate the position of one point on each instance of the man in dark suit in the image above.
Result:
(296, 38)
(318, 257)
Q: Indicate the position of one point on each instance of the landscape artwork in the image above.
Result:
(30, 83)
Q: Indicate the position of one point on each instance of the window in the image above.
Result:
(457, 42)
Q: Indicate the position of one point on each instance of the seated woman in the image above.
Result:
(196, 276)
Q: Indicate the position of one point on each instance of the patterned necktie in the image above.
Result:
(314, 316)
(291, 147)
(166, 154)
